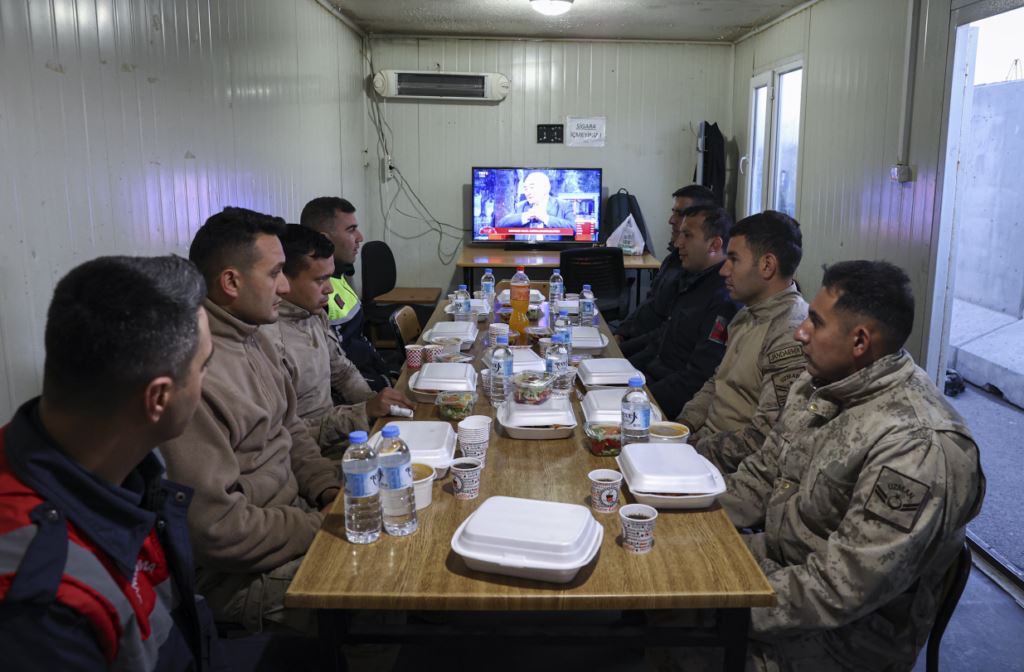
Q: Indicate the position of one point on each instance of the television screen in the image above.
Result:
(536, 205)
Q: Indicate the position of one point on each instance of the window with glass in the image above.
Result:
(773, 153)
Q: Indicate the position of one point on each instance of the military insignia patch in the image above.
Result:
(897, 499)
(782, 382)
(788, 352)
(720, 332)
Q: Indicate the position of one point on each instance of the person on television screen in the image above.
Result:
(539, 210)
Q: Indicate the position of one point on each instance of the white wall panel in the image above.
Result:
(125, 123)
(853, 85)
(650, 93)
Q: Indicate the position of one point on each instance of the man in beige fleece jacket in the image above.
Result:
(258, 477)
(313, 353)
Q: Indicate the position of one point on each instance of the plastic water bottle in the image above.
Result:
(563, 326)
(586, 307)
(556, 289)
(362, 490)
(501, 370)
(397, 499)
(463, 308)
(636, 413)
(487, 287)
(556, 362)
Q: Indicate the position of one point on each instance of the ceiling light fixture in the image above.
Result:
(551, 7)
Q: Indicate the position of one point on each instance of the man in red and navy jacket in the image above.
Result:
(95, 563)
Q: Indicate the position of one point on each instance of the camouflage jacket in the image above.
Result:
(318, 367)
(863, 489)
(733, 411)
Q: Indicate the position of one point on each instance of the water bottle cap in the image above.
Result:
(487, 270)
(462, 286)
(389, 431)
(558, 338)
(502, 339)
(636, 381)
(563, 311)
(357, 437)
(586, 287)
(558, 271)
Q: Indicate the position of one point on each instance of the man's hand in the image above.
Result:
(380, 405)
(326, 499)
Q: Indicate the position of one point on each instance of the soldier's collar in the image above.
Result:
(828, 400)
(226, 325)
(769, 305)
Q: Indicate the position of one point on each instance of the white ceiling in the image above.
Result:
(588, 19)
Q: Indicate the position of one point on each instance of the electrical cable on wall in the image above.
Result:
(385, 142)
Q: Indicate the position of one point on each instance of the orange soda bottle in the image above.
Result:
(520, 300)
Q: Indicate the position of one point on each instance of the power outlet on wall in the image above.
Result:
(387, 169)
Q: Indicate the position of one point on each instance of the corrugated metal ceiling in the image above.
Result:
(712, 20)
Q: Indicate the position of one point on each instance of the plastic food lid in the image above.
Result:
(636, 381)
(666, 468)
(357, 437)
(389, 431)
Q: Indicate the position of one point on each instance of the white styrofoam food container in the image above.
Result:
(606, 406)
(431, 442)
(523, 359)
(553, 419)
(669, 475)
(607, 371)
(466, 331)
(478, 306)
(436, 377)
(505, 296)
(588, 339)
(528, 538)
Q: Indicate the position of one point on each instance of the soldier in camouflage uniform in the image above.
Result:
(863, 488)
(312, 353)
(732, 413)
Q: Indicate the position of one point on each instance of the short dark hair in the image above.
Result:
(228, 239)
(774, 232)
(878, 290)
(717, 221)
(301, 244)
(321, 210)
(115, 324)
(700, 195)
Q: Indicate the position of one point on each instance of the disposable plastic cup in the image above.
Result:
(413, 357)
(498, 329)
(423, 485)
(466, 477)
(476, 450)
(430, 352)
(475, 429)
(604, 490)
(638, 527)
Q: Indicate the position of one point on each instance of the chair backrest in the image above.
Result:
(953, 587)
(406, 325)
(600, 267)
(379, 273)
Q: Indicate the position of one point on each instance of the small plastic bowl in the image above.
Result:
(669, 432)
(532, 387)
(534, 313)
(455, 405)
(505, 314)
(423, 476)
(537, 333)
(604, 439)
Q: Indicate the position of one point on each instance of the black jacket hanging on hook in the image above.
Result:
(712, 145)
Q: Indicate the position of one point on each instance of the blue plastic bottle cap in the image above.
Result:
(502, 339)
(558, 338)
(586, 287)
(563, 311)
(558, 271)
(636, 381)
(357, 437)
(389, 431)
(487, 270)
(462, 286)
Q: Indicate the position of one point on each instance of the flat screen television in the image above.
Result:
(536, 206)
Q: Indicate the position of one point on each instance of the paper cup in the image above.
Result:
(604, 490)
(466, 477)
(476, 450)
(475, 429)
(430, 352)
(413, 357)
(638, 527)
(423, 485)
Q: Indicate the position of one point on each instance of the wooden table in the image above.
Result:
(698, 561)
(472, 258)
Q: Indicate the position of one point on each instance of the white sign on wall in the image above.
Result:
(584, 131)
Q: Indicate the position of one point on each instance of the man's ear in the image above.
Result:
(769, 266)
(230, 281)
(157, 397)
(717, 245)
(863, 338)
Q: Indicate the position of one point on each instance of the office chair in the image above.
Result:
(603, 269)
(953, 587)
(405, 325)
(380, 295)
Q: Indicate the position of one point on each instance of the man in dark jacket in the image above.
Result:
(95, 563)
(678, 358)
(656, 307)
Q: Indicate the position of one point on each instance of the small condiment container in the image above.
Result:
(455, 405)
(604, 439)
(422, 484)
(532, 387)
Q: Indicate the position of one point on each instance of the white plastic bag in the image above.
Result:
(615, 240)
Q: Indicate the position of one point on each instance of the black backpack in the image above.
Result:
(619, 206)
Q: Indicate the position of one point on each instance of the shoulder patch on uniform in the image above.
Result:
(720, 332)
(897, 499)
(789, 352)
(782, 382)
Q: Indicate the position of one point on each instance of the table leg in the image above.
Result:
(733, 625)
(331, 628)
